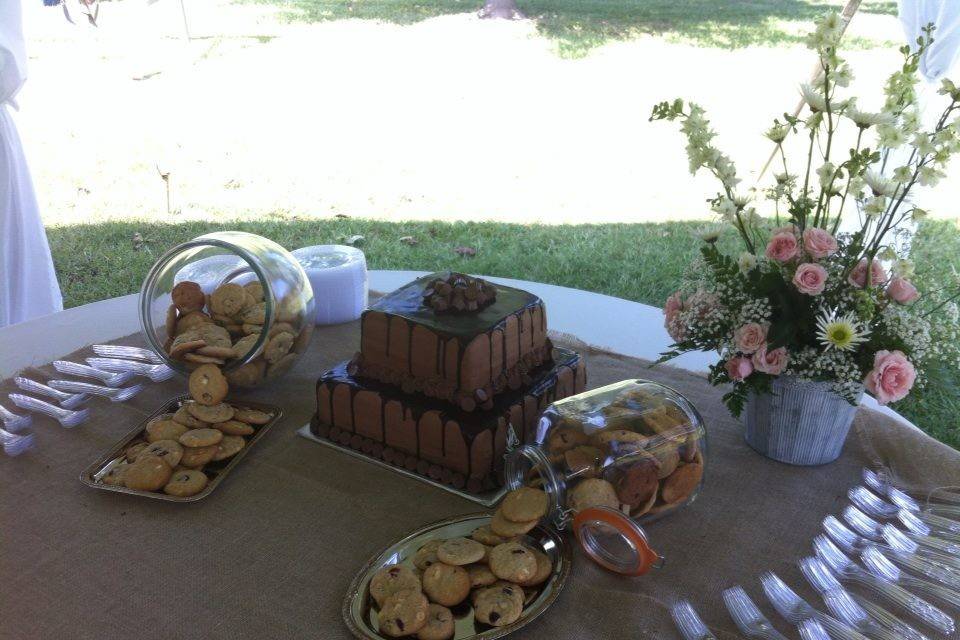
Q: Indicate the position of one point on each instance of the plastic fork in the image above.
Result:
(66, 400)
(812, 630)
(887, 619)
(880, 566)
(930, 564)
(66, 417)
(116, 395)
(877, 507)
(880, 482)
(846, 570)
(15, 443)
(917, 523)
(156, 372)
(870, 528)
(689, 623)
(84, 371)
(796, 610)
(13, 422)
(747, 615)
(899, 540)
(120, 351)
(839, 601)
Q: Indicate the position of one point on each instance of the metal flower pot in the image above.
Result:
(801, 422)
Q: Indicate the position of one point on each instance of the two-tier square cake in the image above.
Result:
(447, 364)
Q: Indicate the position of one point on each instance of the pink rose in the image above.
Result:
(739, 368)
(772, 362)
(672, 321)
(892, 376)
(810, 278)
(750, 337)
(902, 291)
(782, 246)
(858, 277)
(819, 243)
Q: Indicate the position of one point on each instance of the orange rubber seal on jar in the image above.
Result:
(646, 558)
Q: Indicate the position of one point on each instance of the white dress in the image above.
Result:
(28, 283)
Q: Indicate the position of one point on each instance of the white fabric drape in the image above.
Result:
(28, 283)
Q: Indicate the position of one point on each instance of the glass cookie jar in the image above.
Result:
(610, 459)
(256, 327)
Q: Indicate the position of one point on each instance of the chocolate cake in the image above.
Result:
(466, 358)
(447, 364)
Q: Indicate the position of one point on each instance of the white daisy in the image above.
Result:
(813, 98)
(843, 333)
(778, 132)
(867, 119)
(879, 185)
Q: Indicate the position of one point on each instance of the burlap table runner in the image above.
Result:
(271, 552)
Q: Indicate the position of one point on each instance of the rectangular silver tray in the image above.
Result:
(486, 499)
(217, 471)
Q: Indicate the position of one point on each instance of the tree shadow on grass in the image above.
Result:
(579, 26)
(587, 24)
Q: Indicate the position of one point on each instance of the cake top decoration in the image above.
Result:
(458, 293)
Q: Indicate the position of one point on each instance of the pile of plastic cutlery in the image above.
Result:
(113, 369)
(905, 554)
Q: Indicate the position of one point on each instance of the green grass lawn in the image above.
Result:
(578, 26)
(641, 262)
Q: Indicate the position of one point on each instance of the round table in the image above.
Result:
(605, 322)
(271, 553)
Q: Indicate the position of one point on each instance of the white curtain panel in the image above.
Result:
(28, 283)
(945, 16)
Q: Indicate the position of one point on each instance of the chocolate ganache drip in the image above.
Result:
(458, 293)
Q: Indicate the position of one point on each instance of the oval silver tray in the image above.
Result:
(216, 471)
(361, 617)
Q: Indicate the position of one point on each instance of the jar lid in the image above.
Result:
(615, 542)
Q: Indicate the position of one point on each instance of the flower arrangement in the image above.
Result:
(805, 298)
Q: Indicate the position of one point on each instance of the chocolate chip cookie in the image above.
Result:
(446, 584)
(390, 580)
(513, 562)
(403, 613)
(185, 482)
(460, 551)
(524, 504)
(439, 626)
(207, 385)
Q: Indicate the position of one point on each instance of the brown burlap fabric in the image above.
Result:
(271, 552)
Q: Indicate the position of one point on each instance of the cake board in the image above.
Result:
(487, 499)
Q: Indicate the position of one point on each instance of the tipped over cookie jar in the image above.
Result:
(233, 299)
(610, 459)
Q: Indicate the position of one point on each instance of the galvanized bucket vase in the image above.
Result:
(801, 422)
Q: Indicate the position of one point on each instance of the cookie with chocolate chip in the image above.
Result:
(403, 613)
(390, 580)
(513, 562)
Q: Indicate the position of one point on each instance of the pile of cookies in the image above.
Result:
(175, 448)
(634, 452)
(495, 571)
(226, 325)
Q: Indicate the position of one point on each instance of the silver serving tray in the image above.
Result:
(485, 499)
(361, 617)
(216, 471)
